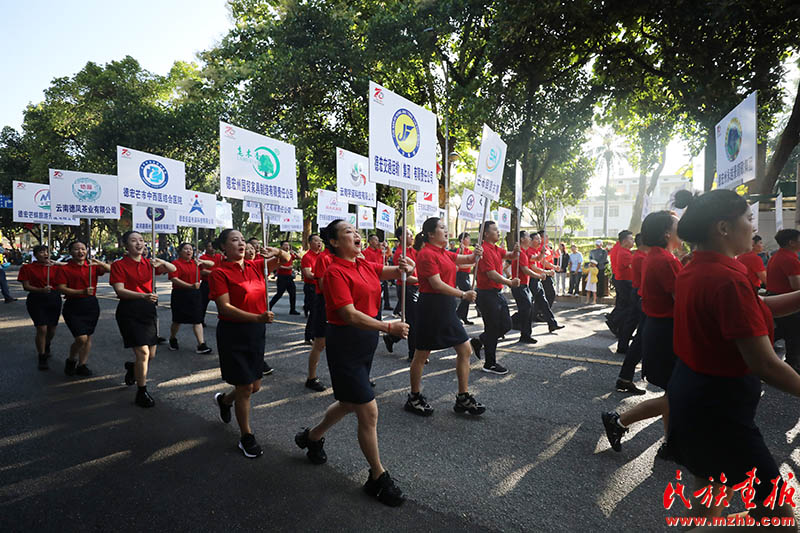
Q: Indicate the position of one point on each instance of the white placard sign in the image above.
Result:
(223, 215)
(293, 221)
(366, 220)
(254, 209)
(272, 218)
(148, 179)
(503, 219)
(425, 211)
(754, 212)
(352, 182)
(402, 141)
(385, 217)
(471, 206)
(31, 204)
(491, 162)
(779, 212)
(199, 210)
(84, 195)
(518, 186)
(254, 166)
(166, 220)
(736, 145)
(329, 208)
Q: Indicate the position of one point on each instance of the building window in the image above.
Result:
(598, 211)
(613, 232)
(613, 211)
(584, 212)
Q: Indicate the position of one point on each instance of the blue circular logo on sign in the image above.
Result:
(159, 214)
(153, 174)
(405, 133)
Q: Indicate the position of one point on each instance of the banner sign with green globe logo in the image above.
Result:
(149, 179)
(256, 167)
(736, 145)
(84, 195)
(352, 179)
(31, 204)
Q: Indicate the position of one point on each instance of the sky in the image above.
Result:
(46, 39)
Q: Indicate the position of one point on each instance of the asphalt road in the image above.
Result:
(77, 455)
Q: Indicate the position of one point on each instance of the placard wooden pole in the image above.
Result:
(403, 275)
(264, 232)
(480, 240)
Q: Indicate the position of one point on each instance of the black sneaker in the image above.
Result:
(173, 345)
(417, 404)
(611, 328)
(293, 312)
(466, 403)
(665, 452)
(387, 340)
(267, 369)
(555, 327)
(384, 490)
(130, 376)
(468, 322)
(203, 348)
(315, 452)
(69, 367)
(315, 384)
(83, 370)
(614, 431)
(143, 399)
(224, 409)
(476, 347)
(43, 362)
(249, 446)
(160, 340)
(495, 369)
(624, 385)
(527, 340)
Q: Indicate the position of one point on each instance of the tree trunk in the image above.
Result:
(636, 216)
(710, 160)
(657, 172)
(788, 140)
(605, 198)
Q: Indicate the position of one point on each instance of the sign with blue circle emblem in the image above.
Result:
(150, 179)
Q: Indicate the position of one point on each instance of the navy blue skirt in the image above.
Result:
(136, 320)
(187, 306)
(44, 308)
(241, 351)
(349, 352)
(658, 358)
(81, 315)
(712, 427)
(319, 320)
(437, 324)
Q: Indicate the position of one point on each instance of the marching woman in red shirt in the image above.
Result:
(660, 267)
(237, 287)
(412, 294)
(43, 302)
(186, 299)
(756, 271)
(318, 320)
(783, 276)
(352, 291)
(216, 258)
(723, 340)
(81, 310)
(633, 355)
(462, 278)
(132, 280)
(307, 273)
(285, 279)
(438, 326)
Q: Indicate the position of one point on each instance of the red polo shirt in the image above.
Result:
(516, 271)
(548, 255)
(464, 250)
(754, 265)
(244, 285)
(624, 260)
(636, 268)
(36, 274)
(373, 255)
(658, 282)
(352, 282)
(432, 260)
(492, 260)
(308, 260)
(217, 258)
(532, 252)
(287, 268)
(184, 271)
(410, 252)
(782, 265)
(75, 277)
(714, 305)
(136, 276)
(612, 255)
(323, 260)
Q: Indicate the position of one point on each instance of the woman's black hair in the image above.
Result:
(654, 228)
(522, 234)
(181, 245)
(463, 235)
(398, 232)
(757, 239)
(428, 227)
(312, 236)
(219, 242)
(38, 248)
(73, 243)
(330, 233)
(419, 241)
(127, 235)
(705, 210)
(637, 240)
(785, 236)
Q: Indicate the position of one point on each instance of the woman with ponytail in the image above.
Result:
(43, 302)
(723, 339)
